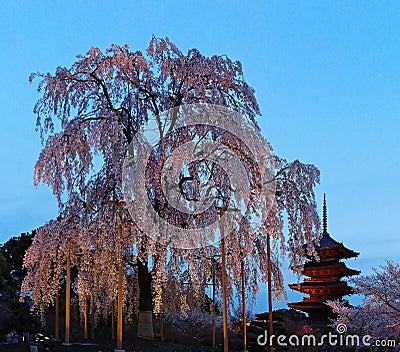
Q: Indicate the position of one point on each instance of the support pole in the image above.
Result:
(85, 319)
(68, 294)
(113, 320)
(56, 322)
(119, 324)
(223, 283)
(120, 204)
(162, 325)
(224, 300)
(213, 304)
(93, 311)
(270, 322)
(243, 303)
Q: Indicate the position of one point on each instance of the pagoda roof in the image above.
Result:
(327, 242)
(312, 264)
(312, 284)
(331, 264)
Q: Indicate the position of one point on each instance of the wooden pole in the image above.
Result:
(121, 204)
(85, 319)
(243, 304)
(213, 304)
(119, 324)
(93, 325)
(113, 320)
(68, 294)
(223, 283)
(57, 317)
(224, 300)
(162, 325)
(270, 321)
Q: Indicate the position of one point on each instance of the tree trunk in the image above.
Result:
(145, 323)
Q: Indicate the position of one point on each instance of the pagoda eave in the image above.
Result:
(325, 269)
(308, 306)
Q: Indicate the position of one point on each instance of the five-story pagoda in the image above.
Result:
(324, 277)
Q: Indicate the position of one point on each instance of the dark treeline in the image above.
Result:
(14, 315)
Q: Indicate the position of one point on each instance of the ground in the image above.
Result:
(138, 345)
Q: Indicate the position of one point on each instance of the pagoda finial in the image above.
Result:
(324, 217)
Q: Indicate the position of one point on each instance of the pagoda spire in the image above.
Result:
(324, 216)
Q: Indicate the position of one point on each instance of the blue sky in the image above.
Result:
(326, 75)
